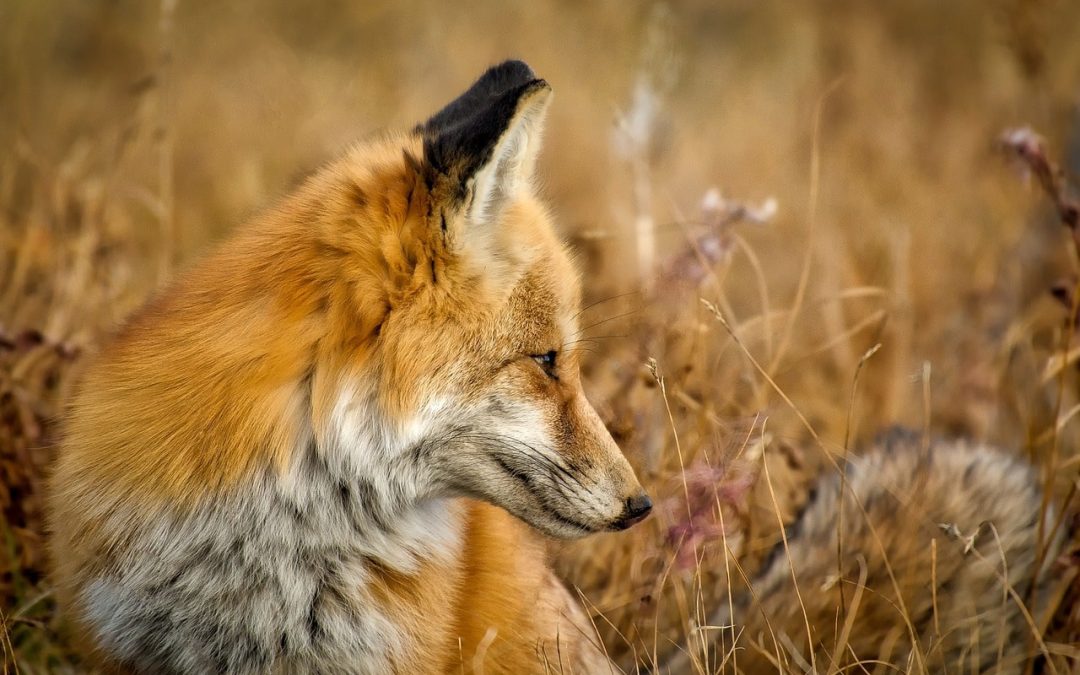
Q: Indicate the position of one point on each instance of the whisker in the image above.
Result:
(599, 302)
(610, 318)
(515, 444)
(584, 350)
(499, 441)
(561, 475)
(568, 494)
(593, 338)
(572, 498)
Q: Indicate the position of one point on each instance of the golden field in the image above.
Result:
(905, 276)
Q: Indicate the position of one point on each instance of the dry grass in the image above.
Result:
(128, 143)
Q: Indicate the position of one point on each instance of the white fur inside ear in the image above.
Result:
(510, 169)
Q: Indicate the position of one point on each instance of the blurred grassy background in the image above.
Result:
(134, 134)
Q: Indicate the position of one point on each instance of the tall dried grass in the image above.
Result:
(901, 275)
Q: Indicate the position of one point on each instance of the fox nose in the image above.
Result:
(636, 510)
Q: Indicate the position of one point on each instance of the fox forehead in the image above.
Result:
(475, 327)
(444, 318)
(541, 297)
(379, 206)
(541, 314)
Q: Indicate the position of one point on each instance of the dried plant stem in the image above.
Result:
(811, 226)
(843, 472)
(675, 432)
(933, 586)
(849, 615)
(596, 631)
(166, 140)
(791, 563)
(5, 642)
(925, 376)
(1044, 542)
(644, 225)
(727, 583)
(1029, 149)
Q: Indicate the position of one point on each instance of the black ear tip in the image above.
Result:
(465, 132)
(511, 72)
(496, 82)
(508, 75)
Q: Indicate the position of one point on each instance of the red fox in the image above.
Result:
(321, 449)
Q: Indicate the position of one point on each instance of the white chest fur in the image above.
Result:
(271, 575)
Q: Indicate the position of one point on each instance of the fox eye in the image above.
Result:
(547, 362)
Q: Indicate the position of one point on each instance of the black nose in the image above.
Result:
(637, 509)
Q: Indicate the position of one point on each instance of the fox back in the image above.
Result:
(300, 456)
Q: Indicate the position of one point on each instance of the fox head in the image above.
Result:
(459, 305)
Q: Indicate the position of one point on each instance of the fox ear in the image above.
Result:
(479, 151)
